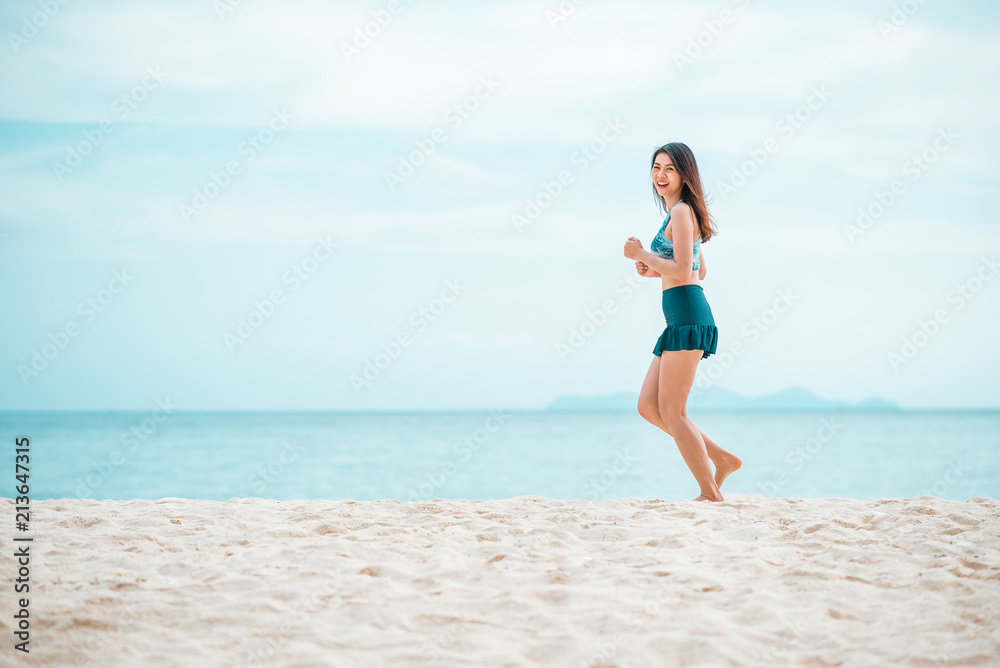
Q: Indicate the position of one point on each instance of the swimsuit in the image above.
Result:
(665, 247)
(690, 325)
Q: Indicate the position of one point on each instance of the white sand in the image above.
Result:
(527, 581)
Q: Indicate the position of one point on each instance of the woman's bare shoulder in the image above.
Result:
(684, 209)
(686, 215)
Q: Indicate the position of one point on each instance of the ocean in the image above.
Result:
(493, 454)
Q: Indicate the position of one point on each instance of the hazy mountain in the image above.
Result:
(718, 398)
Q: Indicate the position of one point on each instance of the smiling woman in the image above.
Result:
(691, 334)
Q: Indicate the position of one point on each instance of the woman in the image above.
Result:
(691, 334)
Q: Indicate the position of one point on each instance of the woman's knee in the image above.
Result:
(649, 411)
(672, 416)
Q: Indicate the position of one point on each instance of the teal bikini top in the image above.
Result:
(665, 247)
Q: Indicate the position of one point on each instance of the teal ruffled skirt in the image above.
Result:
(690, 325)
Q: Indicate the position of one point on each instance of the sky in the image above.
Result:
(394, 205)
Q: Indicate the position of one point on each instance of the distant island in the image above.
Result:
(721, 399)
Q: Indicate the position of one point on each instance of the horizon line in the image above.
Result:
(833, 409)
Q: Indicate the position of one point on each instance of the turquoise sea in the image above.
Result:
(493, 454)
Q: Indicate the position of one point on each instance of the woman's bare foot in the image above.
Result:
(705, 498)
(725, 467)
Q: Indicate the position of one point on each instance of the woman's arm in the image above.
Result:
(703, 270)
(644, 270)
(655, 265)
(663, 266)
(683, 233)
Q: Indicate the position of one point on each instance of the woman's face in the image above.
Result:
(665, 176)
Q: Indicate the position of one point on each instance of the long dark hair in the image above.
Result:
(691, 190)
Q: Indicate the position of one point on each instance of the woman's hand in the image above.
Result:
(633, 248)
(643, 270)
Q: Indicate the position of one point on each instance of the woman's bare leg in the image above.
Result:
(649, 408)
(677, 369)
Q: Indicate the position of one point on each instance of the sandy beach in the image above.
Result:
(527, 581)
